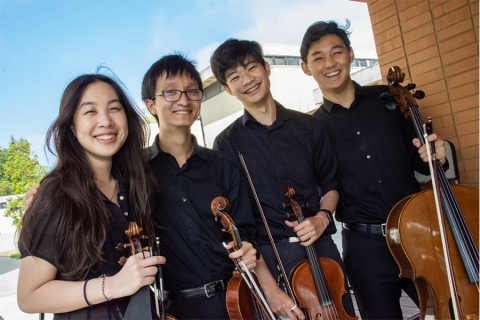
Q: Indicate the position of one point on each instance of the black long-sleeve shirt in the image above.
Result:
(294, 151)
(375, 154)
(191, 239)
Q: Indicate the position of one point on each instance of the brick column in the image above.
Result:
(435, 42)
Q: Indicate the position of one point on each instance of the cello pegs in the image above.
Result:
(411, 86)
(387, 95)
(419, 94)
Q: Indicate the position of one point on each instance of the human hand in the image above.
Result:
(247, 253)
(310, 229)
(440, 150)
(281, 304)
(29, 196)
(138, 271)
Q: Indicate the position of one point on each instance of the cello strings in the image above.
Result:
(466, 246)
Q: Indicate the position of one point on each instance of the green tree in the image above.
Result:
(19, 171)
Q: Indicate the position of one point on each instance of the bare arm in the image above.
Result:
(38, 291)
(278, 300)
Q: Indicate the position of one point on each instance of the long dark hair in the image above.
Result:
(69, 190)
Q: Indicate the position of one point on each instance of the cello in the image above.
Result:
(319, 283)
(244, 298)
(433, 235)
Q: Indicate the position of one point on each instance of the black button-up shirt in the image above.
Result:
(294, 151)
(191, 239)
(375, 154)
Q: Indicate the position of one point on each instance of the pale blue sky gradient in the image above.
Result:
(44, 44)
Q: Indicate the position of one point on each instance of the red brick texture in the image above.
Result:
(435, 42)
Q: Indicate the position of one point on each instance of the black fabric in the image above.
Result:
(375, 154)
(374, 276)
(42, 247)
(191, 239)
(294, 151)
(376, 162)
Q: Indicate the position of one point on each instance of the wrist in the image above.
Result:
(328, 213)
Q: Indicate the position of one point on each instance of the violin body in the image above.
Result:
(301, 279)
(413, 237)
(240, 304)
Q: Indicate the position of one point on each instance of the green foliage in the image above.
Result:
(19, 168)
(15, 255)
(15, 210)
(19, 171)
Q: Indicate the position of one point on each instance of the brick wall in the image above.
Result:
(435, 42)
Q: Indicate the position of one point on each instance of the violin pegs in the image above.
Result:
(411, 86)
(122, 246)
(122, 261)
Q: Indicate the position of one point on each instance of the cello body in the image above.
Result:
(413, 237)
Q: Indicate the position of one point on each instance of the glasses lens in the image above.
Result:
(194, 95)
(172, 95)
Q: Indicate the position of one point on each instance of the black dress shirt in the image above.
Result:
(43, 242)
(294, 151)
(191, 239)
(375, 154)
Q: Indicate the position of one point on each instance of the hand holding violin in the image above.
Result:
(247, 253)
(310, 229)
(139, 270)
(440, 151)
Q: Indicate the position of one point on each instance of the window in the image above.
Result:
(279, 61)
(292, 61)
(3, 205)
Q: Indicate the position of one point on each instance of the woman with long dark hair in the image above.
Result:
(70, 234)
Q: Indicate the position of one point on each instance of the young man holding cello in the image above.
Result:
(280, 148)
(376, 163)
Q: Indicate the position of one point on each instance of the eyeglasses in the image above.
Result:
(175, 95)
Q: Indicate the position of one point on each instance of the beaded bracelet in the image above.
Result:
(103, 276)
(85, 292)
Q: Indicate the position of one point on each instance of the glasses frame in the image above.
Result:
(162, 93)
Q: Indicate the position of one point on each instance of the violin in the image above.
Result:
(139, 242)
(245, 300)
(433, 235)
(317, 283)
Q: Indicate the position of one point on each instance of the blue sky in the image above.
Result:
(44, 44)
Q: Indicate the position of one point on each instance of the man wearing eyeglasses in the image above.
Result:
(198, 268)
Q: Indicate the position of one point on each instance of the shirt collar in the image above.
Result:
(198, 150)
(359, 91)
(281, 115)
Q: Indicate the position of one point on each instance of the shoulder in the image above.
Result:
(228, 134)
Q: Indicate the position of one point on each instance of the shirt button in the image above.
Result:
(368, 157)
(379, 181)
(199, 250)
(125, 213)
(358, 133)
(215, 274)
(184, 199)
(121, 197)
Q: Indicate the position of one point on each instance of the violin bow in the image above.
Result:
(218, 205)
(270, 237)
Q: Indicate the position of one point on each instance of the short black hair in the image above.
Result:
(232, 53)
(320, 29)
(172, 65)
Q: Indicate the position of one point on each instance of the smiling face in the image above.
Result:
(100, 122)
(250, 83)
(328, 61)
(181, 113)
